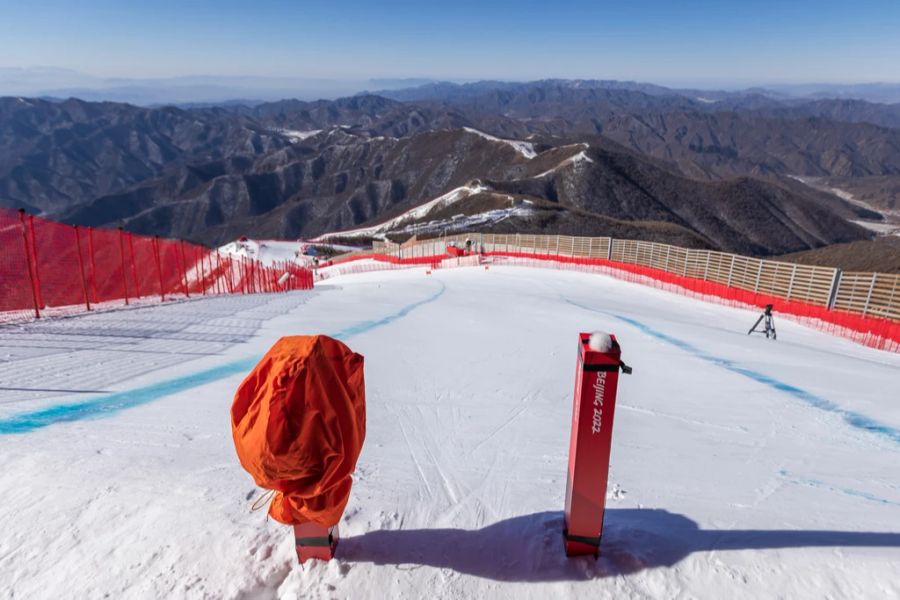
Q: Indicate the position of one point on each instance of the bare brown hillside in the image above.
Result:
(879, 255)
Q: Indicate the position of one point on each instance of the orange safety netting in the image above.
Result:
(299, 421)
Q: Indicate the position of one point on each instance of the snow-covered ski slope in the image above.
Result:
(741, 467)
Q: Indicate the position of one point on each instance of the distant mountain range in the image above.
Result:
(61, 83)
(614, 158)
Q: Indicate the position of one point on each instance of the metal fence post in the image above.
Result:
(93, 264)
(162, 290)
(84, 287)
(835, 285)
(122, 257)
(134, 274)
(730, 271)
(37, 264)
(869, 295)
(31, 278)
(184, 279)
(199, 254)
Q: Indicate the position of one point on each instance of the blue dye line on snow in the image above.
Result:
(113, 403)
(815, 483)
(854, 419)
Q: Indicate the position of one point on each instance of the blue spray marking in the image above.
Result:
(113, 403)
(816, 483)
(854, 419)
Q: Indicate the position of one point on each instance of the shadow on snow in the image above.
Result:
(530, 548)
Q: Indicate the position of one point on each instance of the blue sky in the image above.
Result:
(666, 41)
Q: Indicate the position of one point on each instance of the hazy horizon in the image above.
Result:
(57, 82)
(698, 43)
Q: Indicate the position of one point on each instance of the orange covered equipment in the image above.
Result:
(299, 421)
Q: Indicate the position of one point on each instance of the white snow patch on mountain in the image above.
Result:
(298, 136)
(414, 214)
(526, 149)
(575, 159)
(878, 227)
(462, 222)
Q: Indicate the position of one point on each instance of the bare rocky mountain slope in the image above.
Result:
(577, 157)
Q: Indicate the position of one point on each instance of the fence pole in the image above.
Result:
(835, 284)
(93, 264)
(216, 271)
(228, 272)
(212, 273)
(84, 287)
(184, 286)
(37, 265)
(34, 297)
(122, 257)
(202, 272)
(869, 295)
(137, 284)
(162, 290)
(731, 270)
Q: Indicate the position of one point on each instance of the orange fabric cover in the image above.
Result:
(299, 421)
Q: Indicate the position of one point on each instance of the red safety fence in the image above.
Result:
(875, 332)
(48, 268)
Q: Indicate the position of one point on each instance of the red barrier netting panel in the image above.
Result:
(109, 272)
(58, 271)
(17, 299)
(49, 268)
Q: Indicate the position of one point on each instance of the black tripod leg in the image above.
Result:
(755, 325)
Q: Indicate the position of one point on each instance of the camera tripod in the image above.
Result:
(768, 323)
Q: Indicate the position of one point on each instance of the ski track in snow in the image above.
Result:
(852, 418)
(734, 489)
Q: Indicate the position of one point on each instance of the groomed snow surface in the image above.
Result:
(741, 467)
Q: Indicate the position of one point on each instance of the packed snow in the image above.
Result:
(526, 149)
(741, 468)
